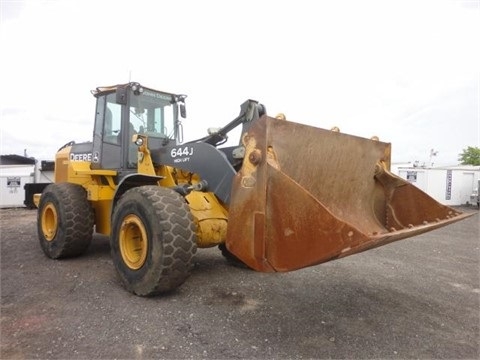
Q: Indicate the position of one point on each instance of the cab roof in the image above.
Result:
(109, 89)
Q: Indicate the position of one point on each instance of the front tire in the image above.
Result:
(231, 259)
(65, 221)
(153, 240)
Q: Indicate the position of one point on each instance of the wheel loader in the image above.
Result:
(284, 197)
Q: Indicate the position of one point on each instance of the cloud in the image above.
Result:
(373, 67)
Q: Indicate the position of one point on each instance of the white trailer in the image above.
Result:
(21, 177)
(12, 181)
(452, 186)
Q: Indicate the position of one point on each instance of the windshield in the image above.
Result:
(152, 113)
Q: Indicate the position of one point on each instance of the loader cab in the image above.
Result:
(125, 110)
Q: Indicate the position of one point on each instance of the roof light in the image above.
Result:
(137, 89)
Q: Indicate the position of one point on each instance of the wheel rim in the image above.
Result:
(133, 242)
(49, 221)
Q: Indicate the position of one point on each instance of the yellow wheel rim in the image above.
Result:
(49, 221)
(133, 242)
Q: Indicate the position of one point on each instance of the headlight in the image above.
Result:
(139, 141)
(137, 89)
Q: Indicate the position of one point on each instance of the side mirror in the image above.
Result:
(183, 110)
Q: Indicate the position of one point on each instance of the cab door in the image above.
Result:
(107, 152)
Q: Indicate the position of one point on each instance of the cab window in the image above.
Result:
(113, 117)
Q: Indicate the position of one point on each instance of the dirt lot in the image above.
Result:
(417, 298)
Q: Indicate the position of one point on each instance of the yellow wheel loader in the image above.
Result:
(286, 196)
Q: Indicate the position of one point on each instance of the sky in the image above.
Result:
(405, 71)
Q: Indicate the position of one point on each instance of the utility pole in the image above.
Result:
(432, 154)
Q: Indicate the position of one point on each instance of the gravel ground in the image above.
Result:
(417, 298)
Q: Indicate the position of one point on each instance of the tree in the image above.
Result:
(470, 156)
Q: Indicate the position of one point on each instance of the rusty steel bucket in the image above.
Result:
(306, 195)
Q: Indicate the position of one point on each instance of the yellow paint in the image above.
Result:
(61, 164)
(145, 163)
(133, 242)
(210, 218)
(102, 216)
(249, 169)
(49, 221)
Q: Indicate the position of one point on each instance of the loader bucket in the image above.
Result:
(306, 195)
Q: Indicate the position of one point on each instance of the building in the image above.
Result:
(450, 185)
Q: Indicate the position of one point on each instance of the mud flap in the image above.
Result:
(306, 195)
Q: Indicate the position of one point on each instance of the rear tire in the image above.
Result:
(153, 240)
(65, 221)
